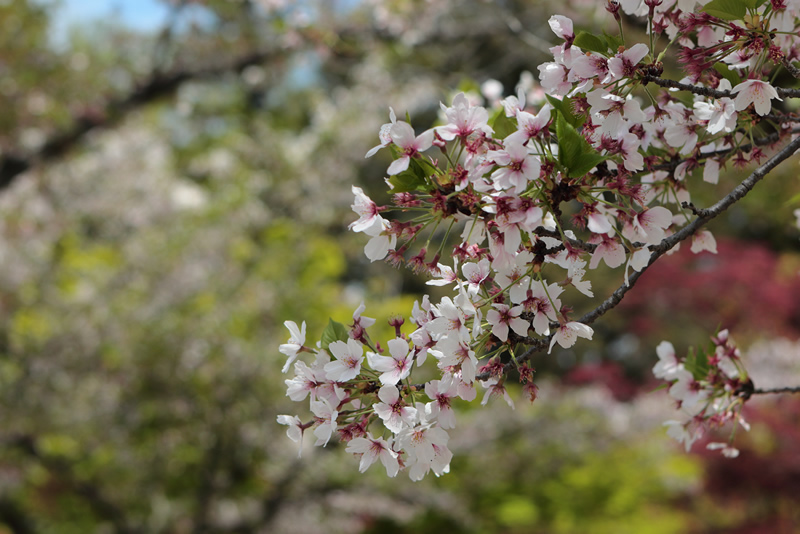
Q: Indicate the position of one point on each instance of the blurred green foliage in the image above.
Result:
(147, 271)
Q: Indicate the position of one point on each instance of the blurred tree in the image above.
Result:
(168, 199)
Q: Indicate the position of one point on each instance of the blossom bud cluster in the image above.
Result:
(510, 206)
(709, 390)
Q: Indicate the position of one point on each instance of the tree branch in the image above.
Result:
(703, 217)
(760, 391)
(706, 91)
(668, 243)
(158, 85)
(794, 71)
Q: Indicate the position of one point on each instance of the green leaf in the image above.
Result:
(614, 41)
(569, 142)
(574, 152)
(588, 41)
(333, 332)
(697, 363)
(730, 75)
(564, 108)
(726, 9)
(405, 182)
(423, 168)
(585, 163)
(503, 126)
(793, 200)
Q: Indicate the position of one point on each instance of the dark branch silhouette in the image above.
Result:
(158, 86)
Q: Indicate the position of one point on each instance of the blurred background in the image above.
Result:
(175, 183)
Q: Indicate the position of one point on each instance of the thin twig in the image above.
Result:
(703, 217)
(706, 91)
(668, 243)
(794, 71)
(760, 391)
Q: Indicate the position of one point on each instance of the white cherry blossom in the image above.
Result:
(348, 360)
(373, 449)
(756, 92)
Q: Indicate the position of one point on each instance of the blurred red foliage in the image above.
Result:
(762, 485)
(742, 287)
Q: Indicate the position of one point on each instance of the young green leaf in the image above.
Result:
(574, 152)
(503, 126)
(614, 41)
(405, 182)
(585, 163)
(588, 41)
(727, 73)
(333, 332)
(726, 9)
(697, 363)
(564, 108)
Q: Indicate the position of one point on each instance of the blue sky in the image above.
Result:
(139, 14)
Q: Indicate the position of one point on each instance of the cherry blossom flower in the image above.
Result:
(440, 392)
(756, 92)
(463, 119)
(295, 430)
(542, 302)
(704, 240)
(727, 450)
(637, 261)
(562, 27)
(687, 390)
(596, 220)
(454, 355)
(683, 135)
(529, 126)
(684, 432)
(295, 344)
(589, 65)
(649, 225)
(721, 115)
(348, 360)
(403, 136)
(358, 329)
(367, 211)
(445, 276)
(495, 388)
(384, 134)
(450, 320)
(568, 333)
(396, 367)
(373, 449)
(476, 274)
(304, 382)
(395, 413)
(668, 366)
(503, 317)
(518, 168)
(426, 446)
(326, 416)
(609, 250)
(380, 244)
(623, 65)
(554, 78)
(575, 274)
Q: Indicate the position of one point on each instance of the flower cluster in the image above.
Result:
(523, 197)
(349, 389)
(709, 390)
